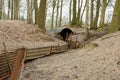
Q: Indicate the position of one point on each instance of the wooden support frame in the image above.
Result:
(19, 63)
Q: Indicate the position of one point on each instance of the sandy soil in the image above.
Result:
(99, 60)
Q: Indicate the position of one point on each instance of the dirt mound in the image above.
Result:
(17, 34)
(21, 31)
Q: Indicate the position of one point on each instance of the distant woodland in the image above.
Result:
(36, 12)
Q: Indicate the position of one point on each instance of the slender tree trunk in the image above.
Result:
(74, 19)
(82, 14)
(115, 24)
(86, 20)
(16, 9)
(60, 21)
(12, 13)
(4, 16)
(70, 11)
(79, 9)
(87, 13)
(29, 11)
(57, 14)
(91, 14)
(97, 14)
(102, 17)
(8, 9)
(53, 9)
(1, 9)
(36, 11)
(42, 14)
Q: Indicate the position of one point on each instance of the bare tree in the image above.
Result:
(86, 20)
(53, 11)
(82, 14)
(0, 9)
(97, 15)
(74, 19)
(60, 21)
(102, 17)
(29, 11)
(79, 10)
(91, 14)
(70, 12)
(12, 11)
(57, 14)
(36, 11)
(115, 24)
(9, 9)
(16, 9)
(42, 14)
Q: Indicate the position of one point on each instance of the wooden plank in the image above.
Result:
(38, 50)
(4, 70)
(37, 55)
(21, 53)
(34, 53)
(3, 62)
(34, 57)
(5, 65)
(4, 76)
(4, 59)
(10, 54)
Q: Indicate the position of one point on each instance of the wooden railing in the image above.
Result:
(11, 63)
(40, 52)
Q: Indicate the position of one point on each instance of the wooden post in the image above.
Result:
(21, 53)
(50, 49)
(8, 61)
(76, 42)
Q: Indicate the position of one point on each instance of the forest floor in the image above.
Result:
(98, 60)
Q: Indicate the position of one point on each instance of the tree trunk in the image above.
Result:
(29, 11)
(60, 21)
(57, 14)
(42, 14)
(16, 9)
(74, 19)
(115, 24)
(86, 20)
(53, 8)
(4, 16)
(91, 14)
(97, 14)
(79, 11)
(12, 13)
(36, 11)
(8, 9)
(70, 11)
(82, 14)
(0, 9)
(102, 17)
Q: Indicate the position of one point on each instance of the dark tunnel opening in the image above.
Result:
(66, 33)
